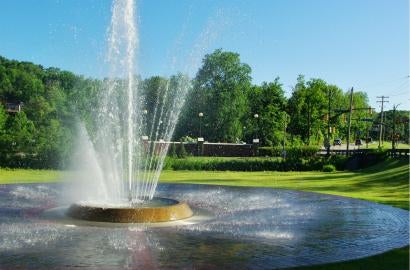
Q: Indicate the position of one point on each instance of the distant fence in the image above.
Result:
(248, 150)
(344, 151)
(208, 149)
(398, 153)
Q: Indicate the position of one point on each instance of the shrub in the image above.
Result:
(182, 152)
(173, 151)
(339, 161)
(329, 168)
(266, 151)
(247, 164)
(187, 139)
(306, 151)
(255, 164)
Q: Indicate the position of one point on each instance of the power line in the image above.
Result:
(400, 88)
(386, 82)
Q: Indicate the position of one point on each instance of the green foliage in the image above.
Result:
(309, 111)
(3, 120)
(397, 121)
(221, 82)
(269, 102)
(182, 151)
(246, 164)
(252, 164)
(173, 151)
(42, 135)
(188, 139)
(329, 168)
(291, 152)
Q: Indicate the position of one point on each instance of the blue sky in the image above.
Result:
(359, 43)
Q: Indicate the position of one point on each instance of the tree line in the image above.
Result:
(233, 109)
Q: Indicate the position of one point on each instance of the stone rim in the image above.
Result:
(176, 211)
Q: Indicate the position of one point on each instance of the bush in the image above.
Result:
(182, 152)
(306, 151)
(245, 164)
(265, 151)
(369, 158)
(329, 168)
(173, 151)
(254, 164)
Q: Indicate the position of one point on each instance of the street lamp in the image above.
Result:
(255, 135)
(200, 115)
(255, 141)
(285, 119)
(145, 122)
(256, 116)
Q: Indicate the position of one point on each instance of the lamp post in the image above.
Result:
(145, 127)
(144, 119)
(255, 140)
(329, 94)
(200, 141)
(393, 141)
(256, 116)
(285, 122)
(200, 115)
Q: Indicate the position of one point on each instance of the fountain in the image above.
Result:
(130, 166)
(122, 218)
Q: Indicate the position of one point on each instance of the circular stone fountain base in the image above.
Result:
(156, 210)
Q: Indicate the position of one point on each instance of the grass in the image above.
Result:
(386, 145)
(386, 183)
(25, 176)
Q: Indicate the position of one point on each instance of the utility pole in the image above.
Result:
(393, 137)
(350, 121)
(285, 120)
(308, 122)
(367, 128)
(328, 122)
(381, 118)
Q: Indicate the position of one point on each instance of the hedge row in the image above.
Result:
(30, 161)
(254, 164)
(291, 152)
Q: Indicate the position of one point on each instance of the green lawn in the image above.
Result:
(386, 183)
(386, 145)
(21, 176)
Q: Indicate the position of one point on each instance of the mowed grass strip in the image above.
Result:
(23, 176)
(386, 183)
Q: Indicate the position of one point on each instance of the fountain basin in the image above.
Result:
(232, 228)
(156, 210)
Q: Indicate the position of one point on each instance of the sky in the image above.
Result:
(362, 44)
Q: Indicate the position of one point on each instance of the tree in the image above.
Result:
(219, 92)
(3, 119)
(307, 107)
(399, 121)
(268, 101)
(21, 131)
